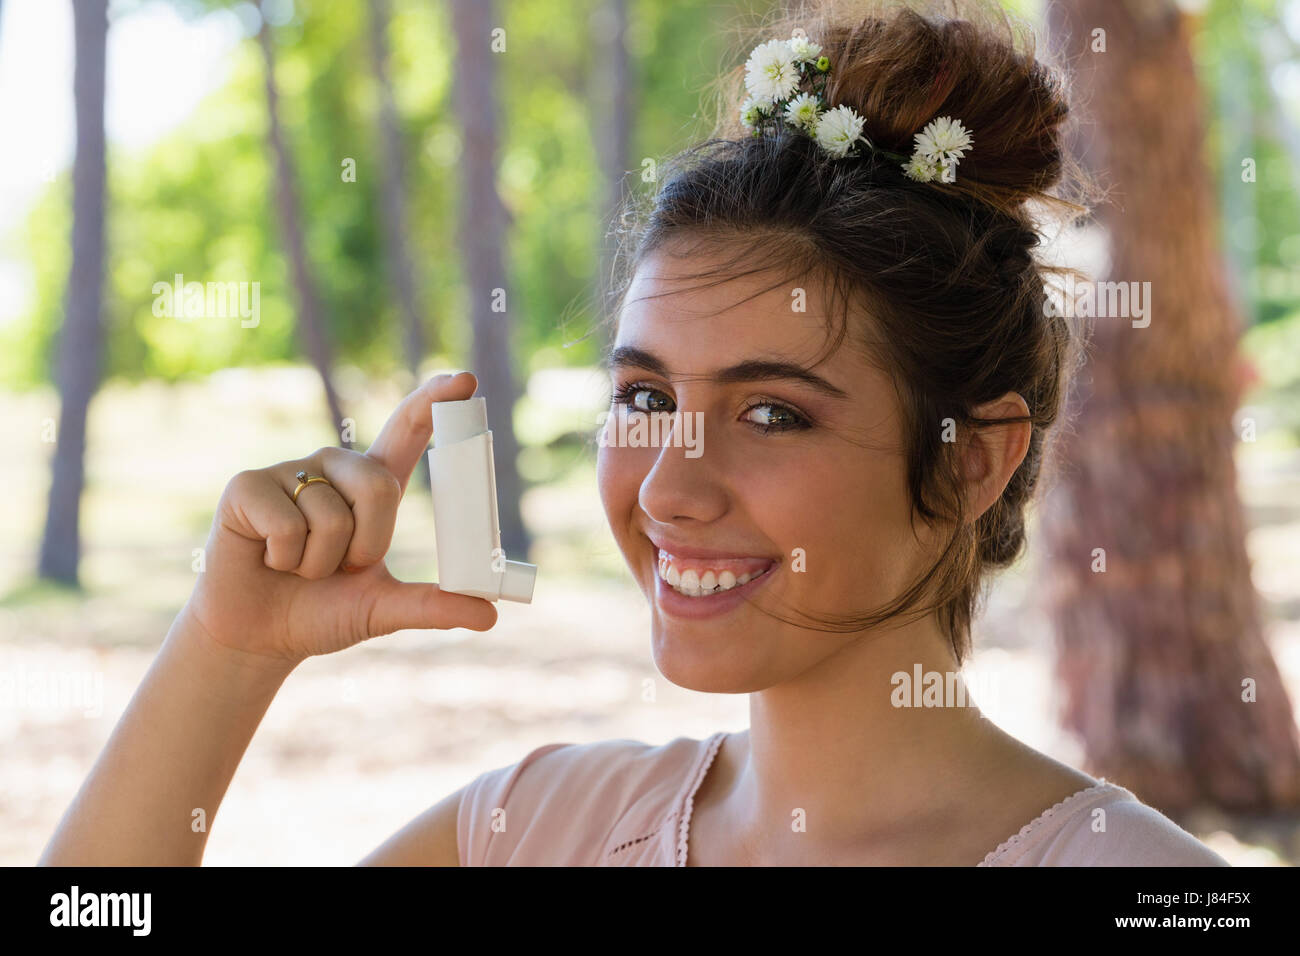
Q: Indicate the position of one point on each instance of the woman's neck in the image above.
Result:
(851, 754)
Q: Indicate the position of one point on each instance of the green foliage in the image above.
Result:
(27, 343)
(1260, 220)
(201, 203)
(1274, 349)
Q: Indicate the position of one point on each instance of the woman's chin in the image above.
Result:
(707, 670)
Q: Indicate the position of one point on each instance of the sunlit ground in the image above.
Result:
(357, 743)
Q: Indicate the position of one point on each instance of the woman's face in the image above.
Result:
(762, 471)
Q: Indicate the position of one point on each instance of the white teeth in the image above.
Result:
(691, 583)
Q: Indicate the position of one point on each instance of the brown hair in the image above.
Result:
(938, 283)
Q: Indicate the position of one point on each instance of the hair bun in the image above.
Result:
(900, 66)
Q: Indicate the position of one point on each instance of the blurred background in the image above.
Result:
(371, 192)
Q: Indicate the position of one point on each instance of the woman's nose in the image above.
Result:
(685, 479)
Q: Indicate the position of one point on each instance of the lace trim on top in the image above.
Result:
(631, 843)
(1036, 824)
(684, 826)
(685, 809)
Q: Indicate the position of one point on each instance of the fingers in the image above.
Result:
(405, 436)
(345, 521)
(398, 605)
(372, 493)
(260, 510)
(349, 521)
(350, 516)
(329, 530)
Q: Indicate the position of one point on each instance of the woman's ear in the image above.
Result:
(994, 452)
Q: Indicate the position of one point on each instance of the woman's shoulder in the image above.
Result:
(567, 803)
(1103, 825)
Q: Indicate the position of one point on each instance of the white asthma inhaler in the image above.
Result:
(466, 522)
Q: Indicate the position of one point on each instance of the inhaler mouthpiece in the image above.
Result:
(466, 521)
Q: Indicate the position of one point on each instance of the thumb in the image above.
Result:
(399, 605)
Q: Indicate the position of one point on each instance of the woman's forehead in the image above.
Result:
(700, 338)
(700, 303)
(669, 297)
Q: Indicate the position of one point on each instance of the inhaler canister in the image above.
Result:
(466, 522)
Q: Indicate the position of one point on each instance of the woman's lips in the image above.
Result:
(723, 576)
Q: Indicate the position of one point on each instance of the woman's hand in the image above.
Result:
(288, 580)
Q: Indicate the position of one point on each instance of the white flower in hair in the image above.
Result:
(943, 140)
(838, 129)
(939, 146)
(803, 49)
(751, 111)
(781, 86)
(920, 169)
(770, 71)
(804, 112)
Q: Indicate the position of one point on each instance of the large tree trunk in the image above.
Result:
(612, 99)
(1157, 653)
(482, 237)
(81, 344)
(311, 329)
(392, 188)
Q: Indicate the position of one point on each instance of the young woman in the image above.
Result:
(853, 317)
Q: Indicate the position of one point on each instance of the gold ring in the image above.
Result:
(304, 480)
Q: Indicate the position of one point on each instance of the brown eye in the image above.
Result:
(642, 398)
(772, 416)
(653, 403)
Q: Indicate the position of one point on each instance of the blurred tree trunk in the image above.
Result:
(1154, 652)
(483, 226)
(311, 328)
(81, 344)
(392, 188)
(612, 89)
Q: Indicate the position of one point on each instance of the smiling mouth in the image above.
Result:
(701, 580)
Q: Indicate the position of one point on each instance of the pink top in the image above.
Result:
(626, 803)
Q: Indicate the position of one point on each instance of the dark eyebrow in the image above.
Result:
(751, 370)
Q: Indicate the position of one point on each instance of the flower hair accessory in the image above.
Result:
(786, 83)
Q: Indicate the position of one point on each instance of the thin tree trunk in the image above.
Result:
(1157, 653)
(392, 187)
(392, 192)
(483, 223)
(611, 92)
(311, 330)
(81, 345)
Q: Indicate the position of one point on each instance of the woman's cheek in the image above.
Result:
(850, 535)
(618, 480)
(606, 484)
